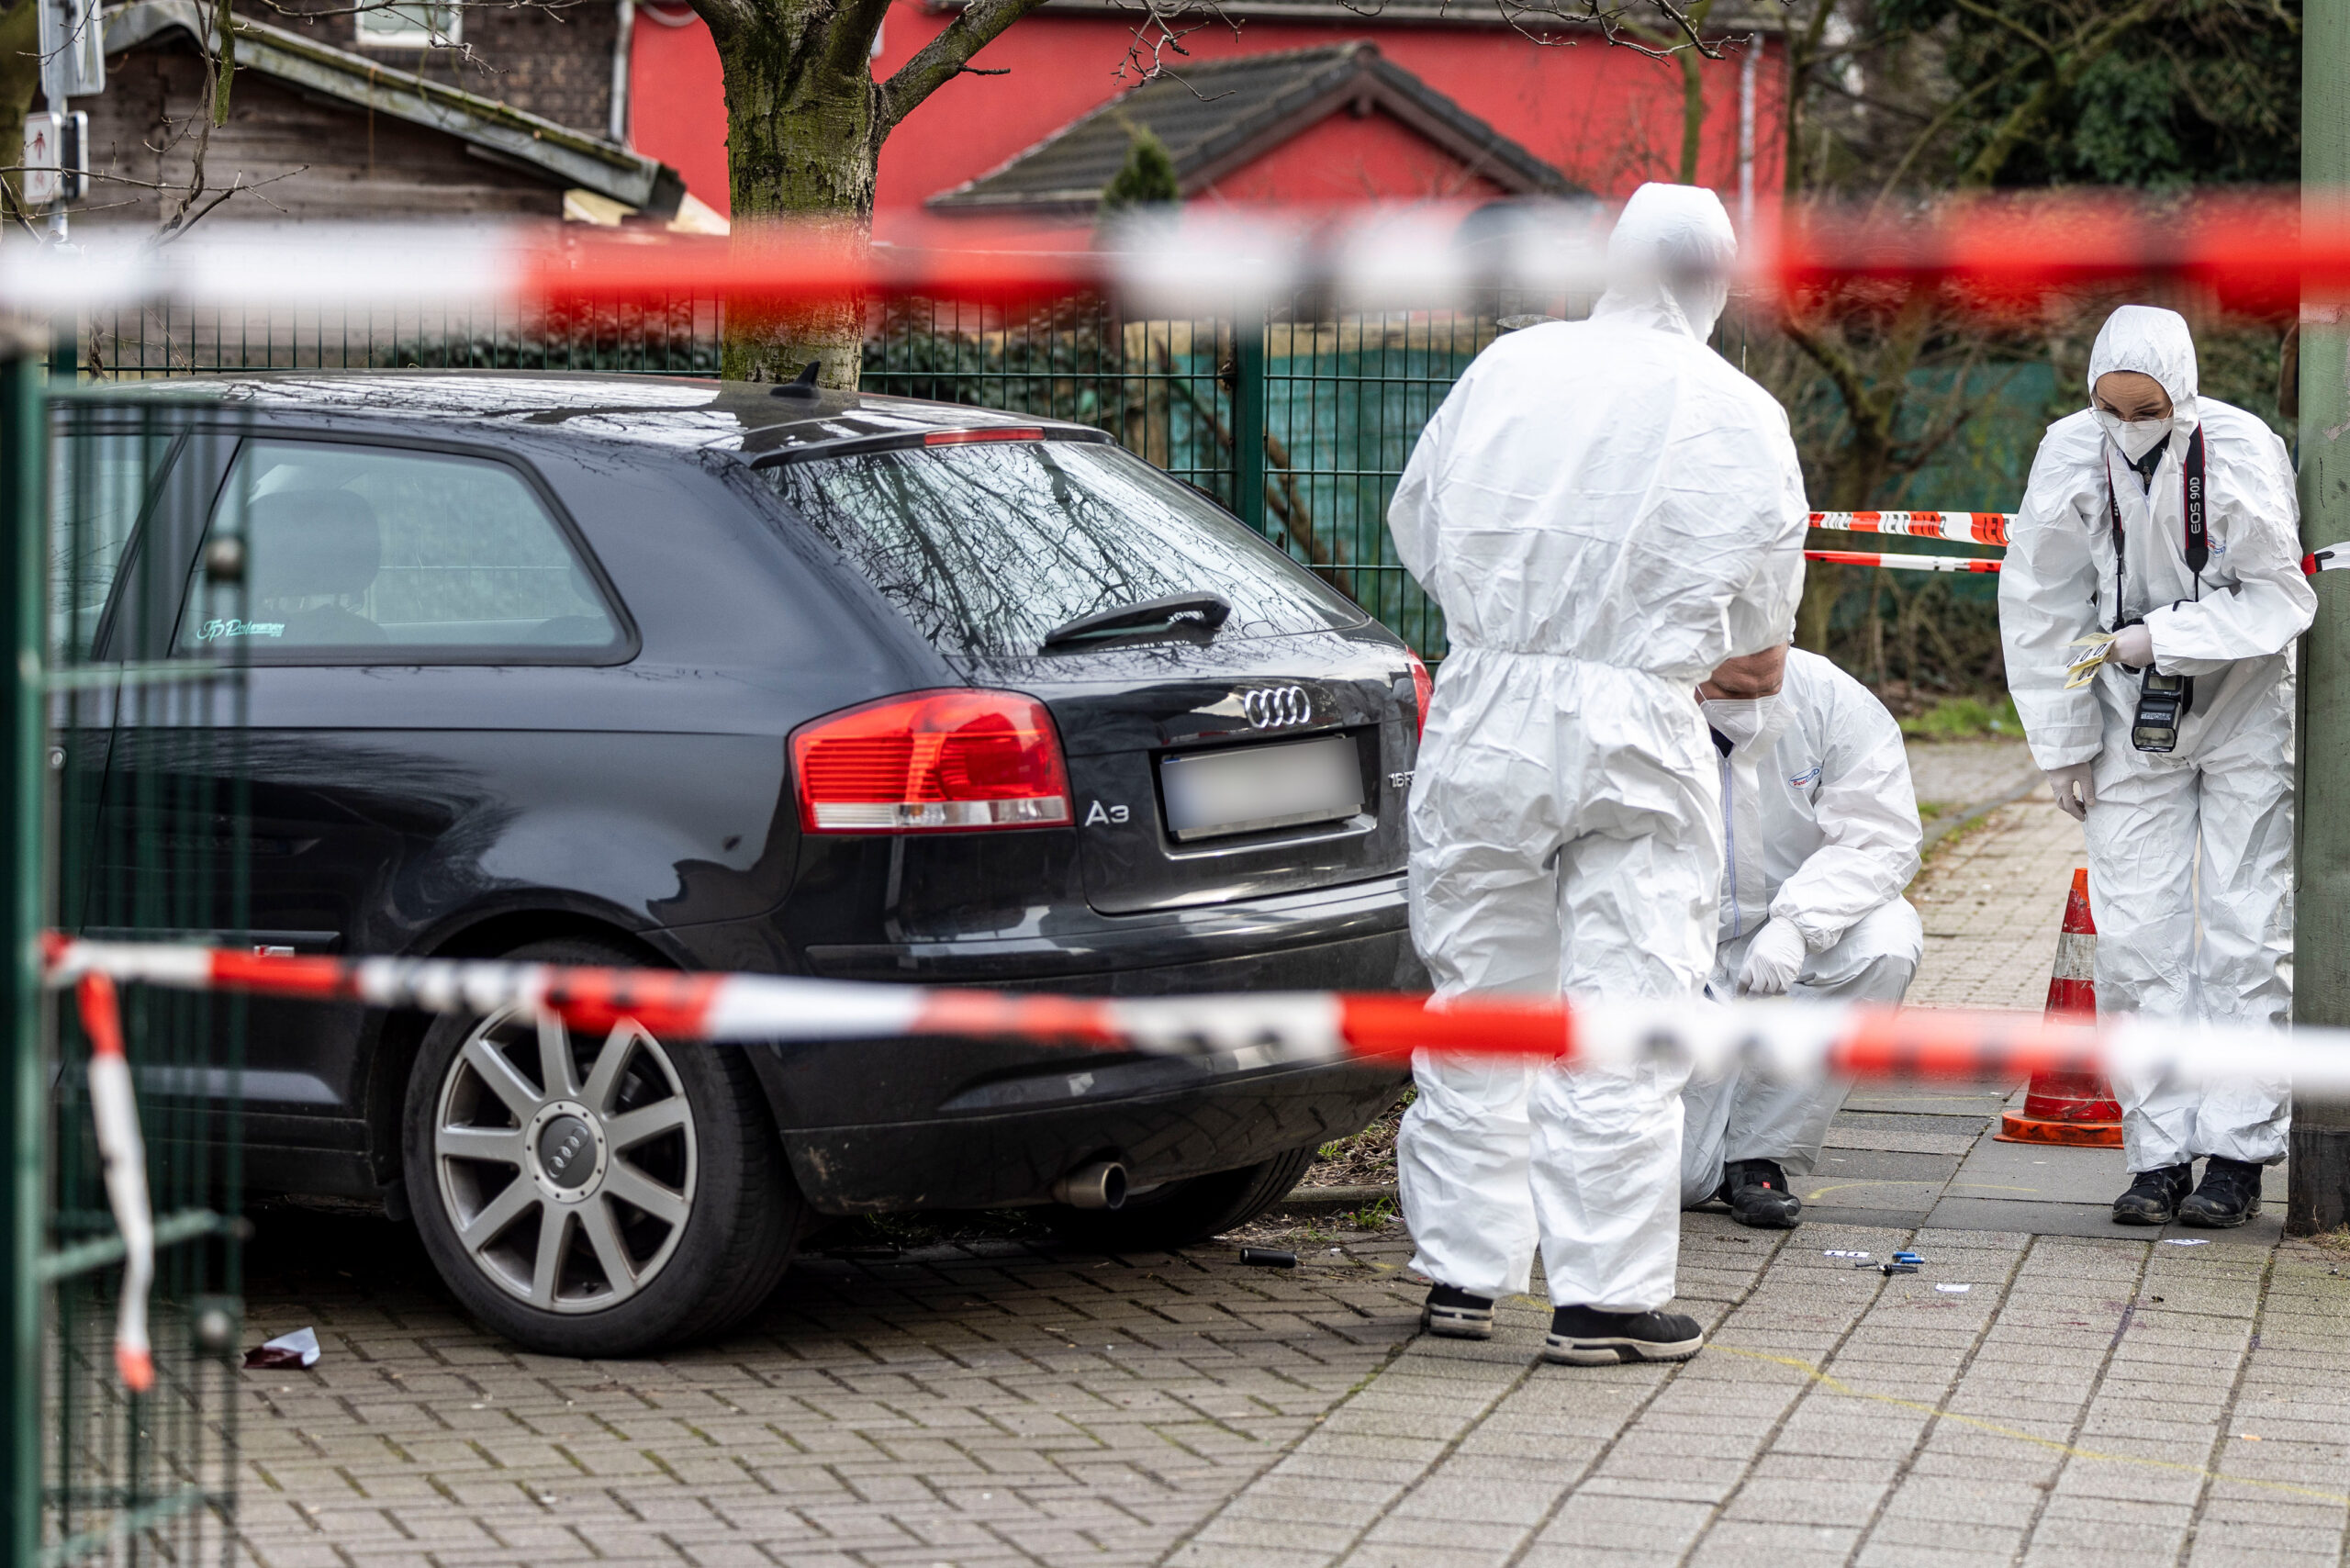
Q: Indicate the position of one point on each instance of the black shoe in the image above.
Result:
(2229, 1196)
(1756, 1191)
(1457, 1315)
(1585, 1337)
(2154, 1196)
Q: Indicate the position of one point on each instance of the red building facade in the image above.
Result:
(1604, 117)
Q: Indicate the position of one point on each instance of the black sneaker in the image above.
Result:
(2229, 1196)
(1756, 1191)
(1457, 1315)
(1585, 1337)
(2154, 1196)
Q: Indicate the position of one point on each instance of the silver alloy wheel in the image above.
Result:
(566, 1177)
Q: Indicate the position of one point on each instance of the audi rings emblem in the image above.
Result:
(1276, 707)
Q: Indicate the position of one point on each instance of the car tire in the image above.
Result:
(674, 1210)
(1181, 1213)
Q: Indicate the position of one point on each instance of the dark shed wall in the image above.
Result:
(327, 160)
(554, 60)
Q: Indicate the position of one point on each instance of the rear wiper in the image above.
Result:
(1200, 611)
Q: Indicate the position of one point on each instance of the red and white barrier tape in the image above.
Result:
(1905, 563)
(1785, 1038)
(113, 1107)
(1961, 527)
(1969, 527)
(2268, 250)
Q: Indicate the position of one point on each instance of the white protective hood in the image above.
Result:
(2151, 341)
(1670, 255)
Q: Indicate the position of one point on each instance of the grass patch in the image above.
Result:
(1965, 719)
(2334, 1243)
(1366, 1159)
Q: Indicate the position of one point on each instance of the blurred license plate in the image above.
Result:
(1253, 788)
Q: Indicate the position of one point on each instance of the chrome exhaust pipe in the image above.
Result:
(1102, 1185)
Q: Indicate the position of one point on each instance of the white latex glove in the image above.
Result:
(2070, 780)
(1773, 961)
(2134, 646)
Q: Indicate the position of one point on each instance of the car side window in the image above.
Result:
(360, 555)
(100, 478)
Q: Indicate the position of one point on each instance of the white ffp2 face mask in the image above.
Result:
(2135, 437)
(1741, 721)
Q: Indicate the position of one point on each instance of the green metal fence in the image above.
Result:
(678, 337)
(95, 1471)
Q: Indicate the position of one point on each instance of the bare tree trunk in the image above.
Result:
(805, 122)
(1693, 99)
(19, 81)
(801, 137)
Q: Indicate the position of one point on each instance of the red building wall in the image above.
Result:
(1343, 159)
(676, 98)
(1606, 116)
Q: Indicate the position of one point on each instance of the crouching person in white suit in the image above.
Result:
(1820, 824)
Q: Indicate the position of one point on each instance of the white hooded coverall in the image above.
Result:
(1822, 834)
(1605, 511)
(2228, 786)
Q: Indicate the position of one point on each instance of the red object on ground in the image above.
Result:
(2072, 1108)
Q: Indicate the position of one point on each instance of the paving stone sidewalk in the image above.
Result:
(2081, 1401)
(2050, 1390)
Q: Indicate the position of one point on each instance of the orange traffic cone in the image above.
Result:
(2073, 1108)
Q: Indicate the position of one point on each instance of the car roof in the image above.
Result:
(754, 418)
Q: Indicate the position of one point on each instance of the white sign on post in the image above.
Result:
(56, 161)
(40, 164)
(72, 50)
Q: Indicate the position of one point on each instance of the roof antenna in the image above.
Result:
(804, 383)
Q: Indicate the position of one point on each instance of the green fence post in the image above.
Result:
(2319, 1179)
(66, 350)
(1249, 416)
(23, 472)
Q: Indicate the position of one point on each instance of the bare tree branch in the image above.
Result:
(1999, 19)
(943, 56)
(2083, 50)
(848, 38)
(728, 20)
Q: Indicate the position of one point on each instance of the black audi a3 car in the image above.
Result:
(622, 670)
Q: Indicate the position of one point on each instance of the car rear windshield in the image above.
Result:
(990, 546)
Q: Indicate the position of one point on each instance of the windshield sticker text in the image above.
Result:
(214, 629)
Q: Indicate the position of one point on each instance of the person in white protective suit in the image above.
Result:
(1822, 835)
(2169, 520)
(1605, 511)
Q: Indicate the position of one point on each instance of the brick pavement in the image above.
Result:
(961, 1405)
(1992, 897)
(2082, 1402)
(2104, 1398)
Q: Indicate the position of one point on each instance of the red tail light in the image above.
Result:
(932, 761)
(1423, 687)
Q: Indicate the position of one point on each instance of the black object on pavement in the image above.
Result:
(1268, 1257)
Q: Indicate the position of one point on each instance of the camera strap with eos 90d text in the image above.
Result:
(2163, 700)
